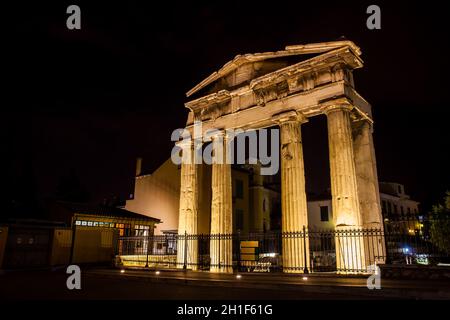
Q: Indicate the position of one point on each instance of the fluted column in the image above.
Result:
(344, 190)
(368, 191)
(187, 247)
(294, 220)
(221, 210)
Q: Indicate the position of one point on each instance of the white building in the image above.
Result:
(394, 201)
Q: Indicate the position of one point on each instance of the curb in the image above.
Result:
(383, 293)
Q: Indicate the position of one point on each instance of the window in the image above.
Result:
(264, 205)
(402, 211)
(239, 189)
(409, 210)
(395, 209)
(323, 213)
(383, 206)
(239, 219)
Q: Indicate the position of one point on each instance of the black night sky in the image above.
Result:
(85, 103)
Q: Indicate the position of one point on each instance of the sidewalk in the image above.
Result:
(313, 283)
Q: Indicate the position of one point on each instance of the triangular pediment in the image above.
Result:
(248, 66)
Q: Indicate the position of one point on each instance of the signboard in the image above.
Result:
(249, 250)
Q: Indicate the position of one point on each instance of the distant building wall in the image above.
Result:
(395, 201)
(204, 196)
(241, 216)
(320, 214)
(263, 202)
(61, 246)
(94, 245)
(398, 206)
(158, 195)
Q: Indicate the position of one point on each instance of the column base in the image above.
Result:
(295, 271)
(221, 270)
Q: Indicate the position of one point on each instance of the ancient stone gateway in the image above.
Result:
(284, 89)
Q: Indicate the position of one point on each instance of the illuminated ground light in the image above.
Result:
(157, 272)
(122, 271)
(305, 278)
(238, 276)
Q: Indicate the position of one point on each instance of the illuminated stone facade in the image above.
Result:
(261, 90)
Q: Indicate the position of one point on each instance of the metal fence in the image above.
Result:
(417, 239)
(405, 241)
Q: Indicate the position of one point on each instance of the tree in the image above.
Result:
(440, 224)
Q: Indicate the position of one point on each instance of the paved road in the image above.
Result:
(331, 284)
(144, 284)
(52, 285)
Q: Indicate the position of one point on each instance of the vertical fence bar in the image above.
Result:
(355, 248)
(148, 247)
(305, 269)
(185, 251)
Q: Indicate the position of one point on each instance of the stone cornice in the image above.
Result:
(289, 116)
(292, 75)
(346, 103)
(240, 60)
(309, 65)
(342, 105)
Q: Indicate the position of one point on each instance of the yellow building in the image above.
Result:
(255, 198)
(75, 234)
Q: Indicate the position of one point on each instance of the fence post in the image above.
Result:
(219, 252)
(239, 250)
(305, 270)
(74, 231)
(148, 246)
(185, 250)
(386, 249)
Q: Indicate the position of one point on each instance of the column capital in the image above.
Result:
(327, 109)
(185, 143)
(289, 116)
(220, 134)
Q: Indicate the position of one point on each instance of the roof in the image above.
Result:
(105, 211)
(35, 223)
(300, 49)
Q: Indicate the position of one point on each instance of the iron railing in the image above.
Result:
(344, 250)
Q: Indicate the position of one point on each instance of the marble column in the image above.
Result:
(187, 246)
(368, 191)
(294, 219)
(221, 210)
(350, 256)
